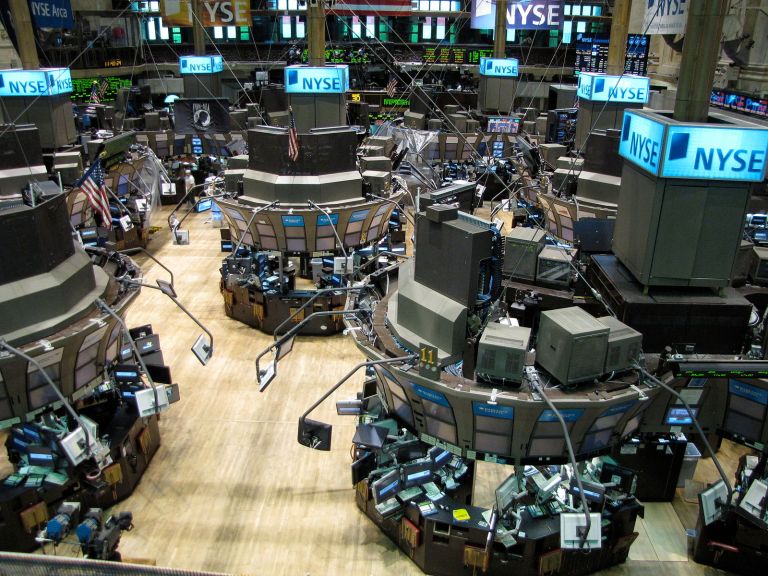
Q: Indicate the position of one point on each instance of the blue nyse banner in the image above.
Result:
(715, 153)
(52, 13)
(641, 141)
(201, 64)
(620, 89)
(323, 220)
(569, 415)
(316, 80)
(521, 14)
(43, 82)
(500, 67)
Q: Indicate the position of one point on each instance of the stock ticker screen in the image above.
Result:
(81, 88)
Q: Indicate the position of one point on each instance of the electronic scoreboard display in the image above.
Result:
(81, 88)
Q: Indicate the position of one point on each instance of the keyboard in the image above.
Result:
(388, 507)
(409, 494)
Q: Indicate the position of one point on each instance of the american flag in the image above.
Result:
(92, 184)
(392, 86)
(95, 99)
(293, 139)
(370, 7)
(103, 88)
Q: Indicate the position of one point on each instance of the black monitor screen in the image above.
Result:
(140, 331)
(204, 205)
(439, 456)
(125, 373)
(40, 456)
(594, 493)
(386, 486)
(746, 411)
(417, 473)
(621, 477)
(148, 344)
(160, 374)
(362, 467)
(679, 416)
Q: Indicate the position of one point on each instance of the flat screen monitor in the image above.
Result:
(594, 493)
(141, 331)
(498, 149)
(31, 434)
(417, 473)
(126, 352)
(227, 246)
(439, 457)
(40, 456)
(160, 374)
(127, 373)
(679, 416)
(622, 478)
(572, 527)
(203, 205)
(314, 434)
(506, 494)
(362, 467)
(148, 344)
(711, 502)
(89, 236)
(754, 500)
(746, 412)
(503, 124)
(386, 487)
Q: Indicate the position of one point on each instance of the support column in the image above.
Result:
(500, 35)
(701, 52)
(25, 34)
(198, 32)
(316, 32)
(617, 49)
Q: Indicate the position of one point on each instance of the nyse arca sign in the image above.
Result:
(521, 14)
(694, 151)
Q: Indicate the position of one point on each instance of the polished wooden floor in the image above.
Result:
(231, 490)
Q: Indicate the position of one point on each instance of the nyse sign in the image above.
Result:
(213, 13)
(717, 153)
(500, 67)
(201, 64)
(665, 17)
(619, 89)
(316, 80)
(694, 151)
(521, 15)
(43, 82)
(641, 141)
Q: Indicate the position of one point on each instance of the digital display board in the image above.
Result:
(338, 56)
(503, 124)
(591, 52)
(455, 55)
(739, 102)
(201, 64)
(636, 60)
(43, 82)
(317, 80)
(499, 67)
(618, 89)
(81, 88)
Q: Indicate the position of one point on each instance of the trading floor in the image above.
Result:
(231, 490)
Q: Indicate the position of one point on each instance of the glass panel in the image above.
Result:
(218, 32)
(547, 447)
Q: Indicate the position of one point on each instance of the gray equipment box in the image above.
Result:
(571, 345)
(624, 345)
(376, 163)
(522, 248)
(554, 266)
(501, 352)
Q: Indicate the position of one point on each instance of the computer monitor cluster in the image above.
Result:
(623, 479)
(413, 473)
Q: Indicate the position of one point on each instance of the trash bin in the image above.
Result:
(688, 468)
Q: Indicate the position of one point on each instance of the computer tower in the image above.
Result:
(553, 266)
(522, 248)
(501, 352)
(571, 345)
(624, 345)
